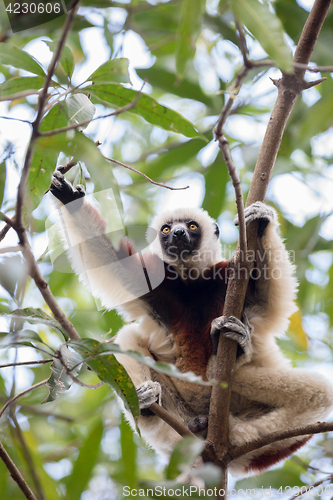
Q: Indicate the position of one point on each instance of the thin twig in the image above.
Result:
(70, 374)
(176, 424)
(224, 146)
(15, 473)
(240, 77)
(10, 222)
(144, 175)
(66, 168)
(312, 486)
(6, 228)
(25, 363)
(19, 95)
(305, 430)
(314, 69)
(27, 457)
(15, 119)
(18, 248)
(35, 125)
(45, 414)
(15, 398)
(18, 225)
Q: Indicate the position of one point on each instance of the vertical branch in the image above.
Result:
(17, 221)
(16, 475)
(40, 111)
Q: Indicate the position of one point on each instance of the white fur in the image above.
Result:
(210, 246)
(297, 396)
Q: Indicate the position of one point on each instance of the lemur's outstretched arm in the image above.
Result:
(116, 277)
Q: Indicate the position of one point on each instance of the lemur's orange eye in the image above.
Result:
(193, 226)
(166, 230)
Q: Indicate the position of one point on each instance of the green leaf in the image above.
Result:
(189, 29)
(221, 27)
(20, 59)
(13, 271)
(266, 28)
(85, 462)
(282, 478)
(292, 16)
(146, 107)
(114, 71)
(57, 117)
(37, 316)
(60, 381)
(109, 371)
(80, 109)
(161, 366)
(169, 369)
(216, 179)
(66, 58)
(22, 338)
(163, 79)
(19, 84)
(128, 448)
(176, 156)
(44, 159)
(318, 119)
(183, 456)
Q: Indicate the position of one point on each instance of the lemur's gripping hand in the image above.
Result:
(259, 210)
(65, 193)
(236, 330)
(149, 392)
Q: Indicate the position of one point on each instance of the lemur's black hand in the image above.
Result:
(64, 191)
(259, 211)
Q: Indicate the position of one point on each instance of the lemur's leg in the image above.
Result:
(297, 397)
(151, 387)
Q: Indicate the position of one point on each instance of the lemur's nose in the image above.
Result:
(178, 233)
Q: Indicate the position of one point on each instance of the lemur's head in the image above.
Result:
(187, 237)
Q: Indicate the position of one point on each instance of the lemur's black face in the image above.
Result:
(180, 238)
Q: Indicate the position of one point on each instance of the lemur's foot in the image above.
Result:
(149, 392)
(235, 330)
(259, 210)
(198, 424)
(65, 192)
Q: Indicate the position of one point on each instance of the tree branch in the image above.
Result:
(15, 473)
(19, 95)
(25, 363)
(144, 175)
(305, 430)
(312, 486)
(17, 221)
(35, 125)
(176, 424)
(27, 457)
(224, 146)
(15, 398)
